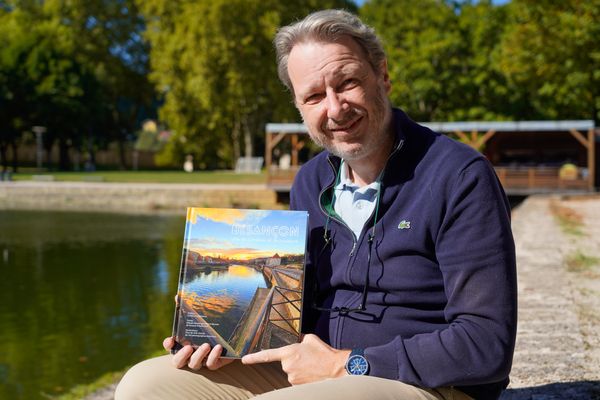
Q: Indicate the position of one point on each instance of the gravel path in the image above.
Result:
(558, 341)
(557, 354)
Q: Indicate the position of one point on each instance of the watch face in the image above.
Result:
(357, 365)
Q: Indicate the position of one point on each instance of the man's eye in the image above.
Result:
(313, 98)
(349, 83)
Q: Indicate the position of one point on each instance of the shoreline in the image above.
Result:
(133, 198)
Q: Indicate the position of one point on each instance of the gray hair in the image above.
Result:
(326, 26)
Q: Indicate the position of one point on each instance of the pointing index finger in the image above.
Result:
(264, 356)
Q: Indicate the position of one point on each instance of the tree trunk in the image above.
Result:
(235, 135)
(90, 163)
(3, 159)
(64, 162)
(48, 149)
(15, 156)
(122, 155)
(247, 138)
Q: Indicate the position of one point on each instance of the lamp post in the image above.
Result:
(39, 153)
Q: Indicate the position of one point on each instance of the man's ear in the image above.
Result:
(383, 71)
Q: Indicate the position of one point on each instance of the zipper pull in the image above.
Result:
(353, 247)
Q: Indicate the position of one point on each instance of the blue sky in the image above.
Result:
(210, 231)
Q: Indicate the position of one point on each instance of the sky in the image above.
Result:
(245, 234)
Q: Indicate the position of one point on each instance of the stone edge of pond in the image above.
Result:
(134, 197)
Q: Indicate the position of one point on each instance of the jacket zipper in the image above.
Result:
(333, 217)
(339, 326)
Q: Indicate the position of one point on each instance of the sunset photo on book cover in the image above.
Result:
(241, 279)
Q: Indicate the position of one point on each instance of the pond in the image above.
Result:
(82, 294)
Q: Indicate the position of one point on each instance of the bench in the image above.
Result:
(93, 178)
(251, 165)
(43, 178)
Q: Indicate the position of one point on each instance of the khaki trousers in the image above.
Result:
(157, 378)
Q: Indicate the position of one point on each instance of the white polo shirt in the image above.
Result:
(352, 203)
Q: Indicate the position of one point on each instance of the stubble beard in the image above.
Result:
(372, 142)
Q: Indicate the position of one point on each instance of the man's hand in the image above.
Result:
(309, 361)
(186, 356)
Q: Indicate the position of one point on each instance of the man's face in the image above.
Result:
(342, 100)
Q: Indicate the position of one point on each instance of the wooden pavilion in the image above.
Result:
(528, 156)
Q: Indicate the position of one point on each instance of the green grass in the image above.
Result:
(83, 390)
(569, 227)
(569, 220)
(150, 177)
(579, 261)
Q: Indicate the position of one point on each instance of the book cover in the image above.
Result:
(241, 279)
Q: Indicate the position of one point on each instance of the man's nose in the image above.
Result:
(336, 106)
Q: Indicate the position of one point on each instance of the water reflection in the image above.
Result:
(82, 294)
(225, 294)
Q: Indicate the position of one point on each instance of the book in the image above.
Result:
(241, 279)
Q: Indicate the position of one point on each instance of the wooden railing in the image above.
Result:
(522, 179)
(536, 178)
(281, 178)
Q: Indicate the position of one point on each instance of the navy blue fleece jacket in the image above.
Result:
(441, 308)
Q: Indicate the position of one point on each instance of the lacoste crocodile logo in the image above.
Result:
(404, 224)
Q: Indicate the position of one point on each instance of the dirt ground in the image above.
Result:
(558, 259)
(557, 354)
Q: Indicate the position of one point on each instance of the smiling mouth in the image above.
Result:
(347, 127)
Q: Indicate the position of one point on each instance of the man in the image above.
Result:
(411, 282)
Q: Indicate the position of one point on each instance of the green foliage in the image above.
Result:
(75, 67)
(214, 64)
(83, 68)
(484, 92)
(424, 49)
(476, 61)
(552, 50)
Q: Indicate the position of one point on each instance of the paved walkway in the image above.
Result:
(558, 343)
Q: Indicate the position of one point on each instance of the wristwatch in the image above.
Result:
(357, 364)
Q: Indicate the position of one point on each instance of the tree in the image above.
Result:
(551, 49)
(77, 67)
(485, 93)
(108, 35)
(14, 87)
(425, 53)
(214, 64)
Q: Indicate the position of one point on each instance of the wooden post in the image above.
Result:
(591, 159)
(482, 140)
(590, 145)
(268, 149)
(473, 138)
(462, 136)
(270, 144)
(295, 150)
(580, 138)
(530, 177)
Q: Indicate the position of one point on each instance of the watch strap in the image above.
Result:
(357, 352)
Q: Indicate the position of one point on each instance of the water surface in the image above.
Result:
(226, 294)
(82, 294)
